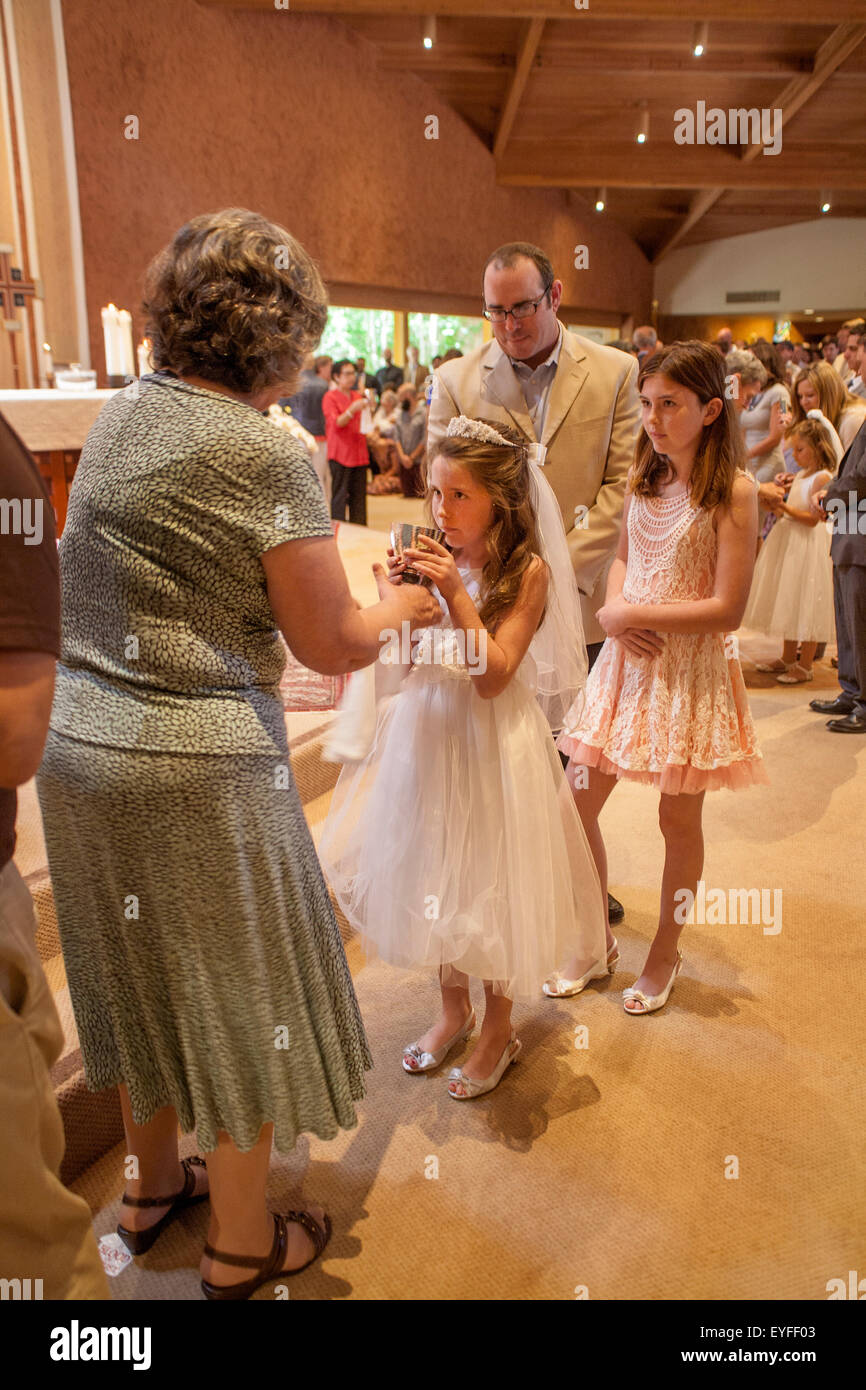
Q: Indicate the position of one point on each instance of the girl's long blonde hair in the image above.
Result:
(512, 540)
(833, 395)
(814, 433)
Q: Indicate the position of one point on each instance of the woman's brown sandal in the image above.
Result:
(272, 1266)
(140, 1241)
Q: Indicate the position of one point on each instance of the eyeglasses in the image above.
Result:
(524, 310)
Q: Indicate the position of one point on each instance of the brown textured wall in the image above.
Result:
(288, 115)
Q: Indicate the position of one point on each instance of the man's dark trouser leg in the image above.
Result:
(850, 588)
(357, 496)
(339, 489)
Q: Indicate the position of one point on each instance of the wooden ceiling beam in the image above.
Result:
(623, 62)
(785, 12)
(525, 58)
(700, 204)
(623, 164)
(832, 53)
(839, 46)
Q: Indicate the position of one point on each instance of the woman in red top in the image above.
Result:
(347, 446)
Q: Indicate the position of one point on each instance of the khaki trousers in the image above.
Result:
(45, 1230)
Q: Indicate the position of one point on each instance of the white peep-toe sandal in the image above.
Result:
(558, 987)
(796, 675)
(651, 1002)
(473, 1088)
(427, 1061)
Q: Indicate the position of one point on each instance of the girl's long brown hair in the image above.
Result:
(512, 539)
(701, 369)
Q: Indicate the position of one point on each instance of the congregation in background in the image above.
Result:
(367, 435)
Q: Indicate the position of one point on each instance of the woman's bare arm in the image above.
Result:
(323, 625)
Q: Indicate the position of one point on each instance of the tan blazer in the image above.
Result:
(590, 431)
(418, 378)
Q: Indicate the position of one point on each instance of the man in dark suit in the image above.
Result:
(844, 501)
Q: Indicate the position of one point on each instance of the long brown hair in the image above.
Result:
(512, 540)
(771, 360)
(701, 369)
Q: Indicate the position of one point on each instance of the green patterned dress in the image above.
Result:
(204, 961)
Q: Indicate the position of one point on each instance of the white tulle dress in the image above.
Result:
(792, 587)
(455, 842)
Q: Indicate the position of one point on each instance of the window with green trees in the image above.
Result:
(367, 332)
(434, 334)
(358, 333)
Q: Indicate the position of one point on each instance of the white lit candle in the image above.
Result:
(47, 362)
(113, 365)
(127, 351)
(145, 361)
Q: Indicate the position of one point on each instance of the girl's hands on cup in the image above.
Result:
(395, 567)
(436, 564)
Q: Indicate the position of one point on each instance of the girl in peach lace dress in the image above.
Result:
(665, 702)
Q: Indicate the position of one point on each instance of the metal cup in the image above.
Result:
(405, 536)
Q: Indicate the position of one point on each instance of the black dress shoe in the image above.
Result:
(615, 910)
(852, 724)
(843, 704)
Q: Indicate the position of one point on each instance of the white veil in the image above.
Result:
(558, 648)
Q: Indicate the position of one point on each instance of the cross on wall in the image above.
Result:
(17, 293)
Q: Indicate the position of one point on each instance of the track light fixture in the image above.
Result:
(642, 133)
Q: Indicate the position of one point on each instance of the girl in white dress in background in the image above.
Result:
(792, 589)
(454, 843)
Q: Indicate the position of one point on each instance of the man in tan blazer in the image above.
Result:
(414, 372)
(574, 398)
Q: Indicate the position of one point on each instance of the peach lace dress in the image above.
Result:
(678, 721)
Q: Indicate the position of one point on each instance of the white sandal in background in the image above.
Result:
(796, 675)
(770, 668)
(556, 986)
(651, 1002)
(427, 1061)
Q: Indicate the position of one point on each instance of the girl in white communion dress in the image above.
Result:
(454, 843)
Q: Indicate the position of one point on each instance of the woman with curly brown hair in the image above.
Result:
(204, 961)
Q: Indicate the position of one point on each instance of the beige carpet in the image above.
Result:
(604, 1168)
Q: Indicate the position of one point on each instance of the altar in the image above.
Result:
(54, 425)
